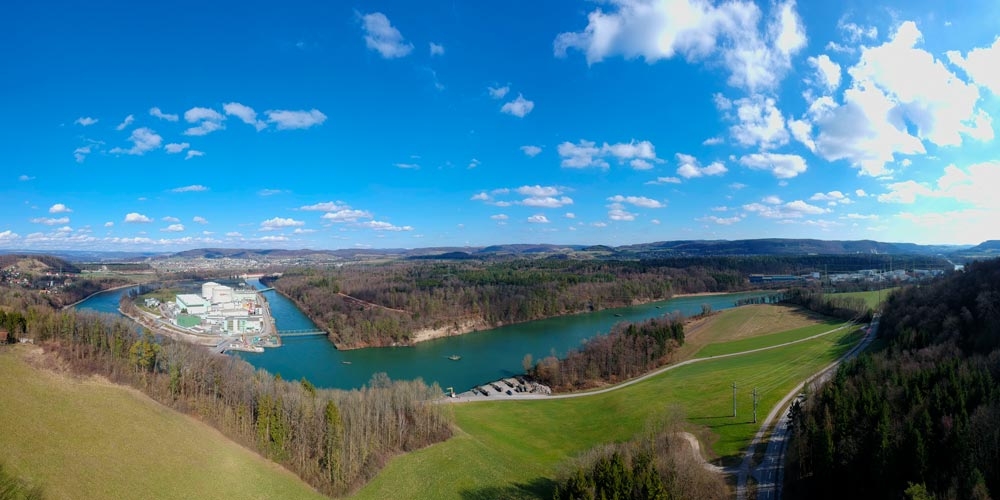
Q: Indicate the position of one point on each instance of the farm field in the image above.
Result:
(746, 322)
(88, 438)
(515, 449)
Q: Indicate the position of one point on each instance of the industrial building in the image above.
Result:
(220, 309)
(192, 303)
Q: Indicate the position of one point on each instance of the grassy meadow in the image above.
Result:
(514, 449)
(88, 438)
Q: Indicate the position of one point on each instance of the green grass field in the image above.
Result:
(751, 343)
(91, 439)
(515, 449)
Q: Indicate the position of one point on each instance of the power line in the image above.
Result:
(734, 399)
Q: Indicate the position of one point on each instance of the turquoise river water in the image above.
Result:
(485, 355)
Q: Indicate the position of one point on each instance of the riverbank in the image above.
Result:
(479, 324)
(119, 287)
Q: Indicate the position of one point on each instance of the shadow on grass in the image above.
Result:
(540, 487)
(849, 339)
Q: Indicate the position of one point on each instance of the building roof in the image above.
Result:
(191, 299)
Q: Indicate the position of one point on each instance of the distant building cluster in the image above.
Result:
(10, 276)
(219, 309)
(864, 275)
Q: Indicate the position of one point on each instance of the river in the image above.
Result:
(485, 355)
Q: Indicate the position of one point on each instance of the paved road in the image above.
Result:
(769, 474)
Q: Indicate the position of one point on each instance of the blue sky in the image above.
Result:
(133, 126)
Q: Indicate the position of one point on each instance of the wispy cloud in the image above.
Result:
(189, 189)
(530, 150)
(125, 123)
(154, 111)
(498, 92)
(245, 114)
(85, 121)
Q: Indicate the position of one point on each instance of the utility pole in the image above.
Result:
(755, 405)
(734, 399)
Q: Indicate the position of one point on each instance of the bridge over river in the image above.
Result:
(301, 333)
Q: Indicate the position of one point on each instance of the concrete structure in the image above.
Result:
(192, 303)
(206, 289)
(243, 324)
(222, 295)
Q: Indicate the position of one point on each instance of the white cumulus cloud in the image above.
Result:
(290, 120)
(782, 166)
(382, 37)
(135, 217)
(519, 107)
(279, 223)
(143, 140)
(731, 33)
(208, 120)
(175, 147)
(639, 201)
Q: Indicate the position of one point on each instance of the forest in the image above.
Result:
(334, 440)
(630, 349)
(916, 418)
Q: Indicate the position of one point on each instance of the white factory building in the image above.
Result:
(222, 308)
(192, 303)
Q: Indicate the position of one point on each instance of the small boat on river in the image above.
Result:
(454, 357)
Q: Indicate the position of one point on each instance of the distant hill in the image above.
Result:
(653, 250)
(991, 246)
(777, 246)
(33, 263)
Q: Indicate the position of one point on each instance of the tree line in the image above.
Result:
(849, 308)
(334, 440)
(630, 349)
(919, 416)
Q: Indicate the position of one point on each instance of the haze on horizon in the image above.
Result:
(401, 124)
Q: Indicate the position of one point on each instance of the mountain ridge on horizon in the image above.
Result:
(664, 248)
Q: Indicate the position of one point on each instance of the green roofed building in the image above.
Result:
(187, 321)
